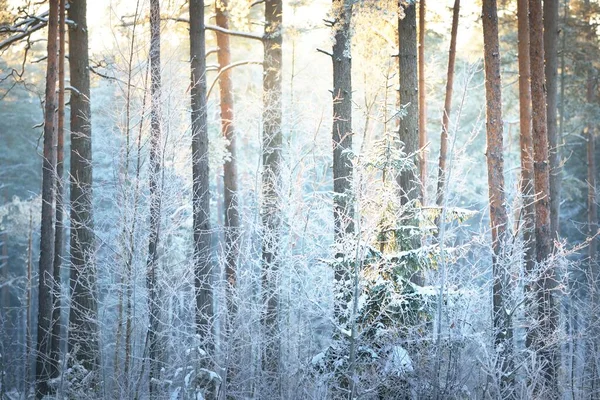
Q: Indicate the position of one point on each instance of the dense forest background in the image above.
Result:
(301, 199)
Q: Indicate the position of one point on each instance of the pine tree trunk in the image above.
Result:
(343, 200)
(407, 179)
(343, 209)
(271, 187)
(201, 194)
(231, 213)
(422, 105)
(45, 297)
(526, 142)
(441, 183)
(28, 327)
(58, 223)
(83, 328)
(551, 33)
(155, 197)
(495, 168)
(547, 313)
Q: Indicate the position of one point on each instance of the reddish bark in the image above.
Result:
(447, 106)
(495, 168)
(547, 313)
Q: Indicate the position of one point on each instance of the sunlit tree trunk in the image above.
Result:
(547, 312)
(45, 297)
(441, 183)
(408, 180)
(495, 168)
(155, 197)
(231, 212)
(271, 187)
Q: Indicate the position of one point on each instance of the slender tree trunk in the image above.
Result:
(409, 95)
(498, 214)
(28, 323)
(551, 33)
(441, 183)
(343, 200)
(422, 104)
(547, 313)
(45, 297)
(58, 223)
(232, 219)
(83, 328)
(201, 194)
(526, 140)
(155, 197)
(271, 188)
(343, 209)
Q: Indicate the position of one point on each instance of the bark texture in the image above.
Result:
(407, 179)
(551, 32)
(343, 209)
(45, 297)
(441, 183)
(525, 138)
(83, 329)
(547, 315)
(495, 168)
(271, 187)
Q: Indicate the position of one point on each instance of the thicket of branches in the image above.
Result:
(269, 217)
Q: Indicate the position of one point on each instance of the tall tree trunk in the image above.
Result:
(495, 167)
(343, 202)
(155, 197)
(343, 209)
(409, 95)
(232, 219)
(551, 33)
(83, 322)
(547, 313)
(201, 194)
(526, 140)
(28, 326)
(58, 223)
(45, 297)
(271, 188)
(441, 183)
(422, 105)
